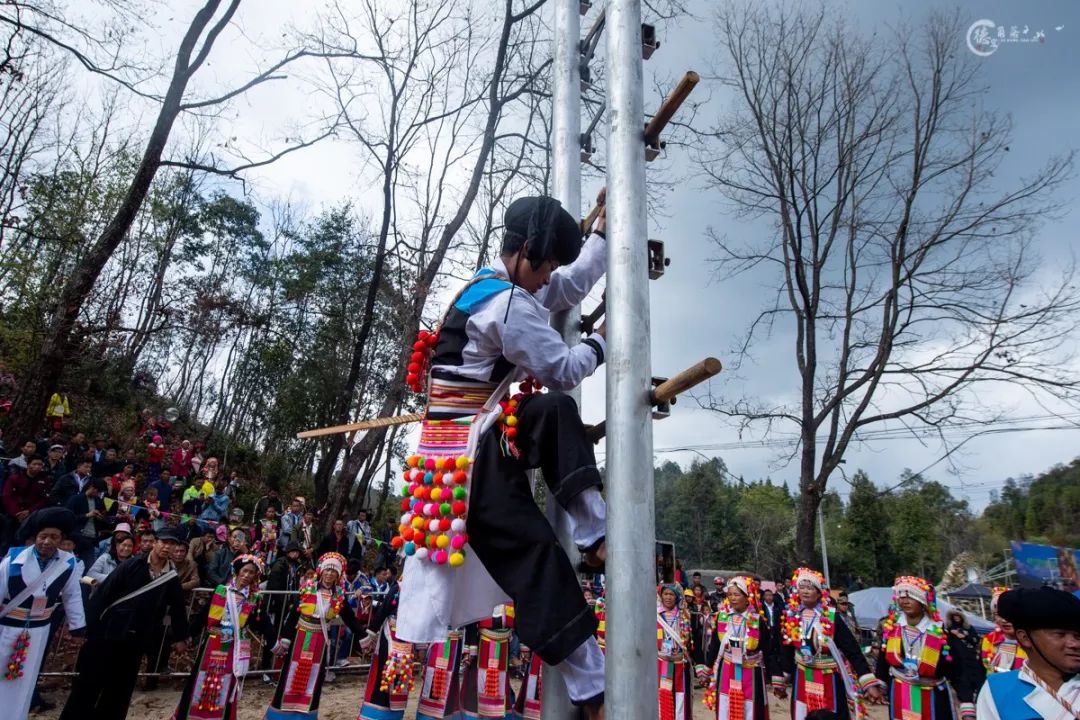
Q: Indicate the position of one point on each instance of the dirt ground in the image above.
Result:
(340, 701)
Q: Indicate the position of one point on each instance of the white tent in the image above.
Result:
(872, 604)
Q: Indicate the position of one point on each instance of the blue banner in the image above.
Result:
(1038, 565)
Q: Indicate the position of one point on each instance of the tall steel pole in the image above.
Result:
(824, 549)
(631, 533)
(566, 188)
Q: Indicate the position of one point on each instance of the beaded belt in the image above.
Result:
(818, 662)
(309, 625)
(917, 680)
(752, 660)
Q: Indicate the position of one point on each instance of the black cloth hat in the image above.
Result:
(171, 533)
(292, 545)
(549, 230)
(1029, 609)
(52, 517)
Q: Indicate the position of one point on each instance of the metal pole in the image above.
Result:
(566, 188)
(824, 550)
(631, 678)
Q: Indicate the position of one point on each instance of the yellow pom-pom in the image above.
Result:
(462, 463)
(457, 559)
(443, 542)
(511, 420)
(436, 493)
(418, 522)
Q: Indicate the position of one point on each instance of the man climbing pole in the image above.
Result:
(473, 535)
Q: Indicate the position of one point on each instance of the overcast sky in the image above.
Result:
(694, 315)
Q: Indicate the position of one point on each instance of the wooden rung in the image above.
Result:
(670, 106)
(685, 380)
(364, 425)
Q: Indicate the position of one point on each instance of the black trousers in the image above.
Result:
(513, 539)
(107, 670)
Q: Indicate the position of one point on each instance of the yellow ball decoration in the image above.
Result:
(436, 493)
(457, 559)
(511, 420)
(443, 542)
(418, 522)
(462, 463)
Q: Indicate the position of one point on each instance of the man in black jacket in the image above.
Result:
(126, 608)
(71, 484)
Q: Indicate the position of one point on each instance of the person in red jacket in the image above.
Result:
(155, 456)
(181, 460)
(27, 491)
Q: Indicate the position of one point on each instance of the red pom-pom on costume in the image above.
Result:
(444, 524)
(406, 503)
(423, 335)
(397, 543)
(419, 346)
(460, 477)
(511, 432)
(413, 368)
(433, 340)
(458, 507)
(418, 537)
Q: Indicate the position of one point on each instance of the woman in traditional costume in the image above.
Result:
(820, 656)
(999, 651)
(390, 677)
(739, 665)
(485, 687)
(440, 691)
(213, 688)
(922, 671)
(322, 599)
(676, 689)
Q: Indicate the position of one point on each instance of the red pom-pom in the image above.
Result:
(511, 432)
(416, 357)
(432, 340)
(423, 335)
(418, 537)
(449, 464)
(405, 504)
(412, 378)
(430, 542)
(458, 508)
(444, 524)
(397, 542)
(419, 346)
(413, 368)
(460, 477)
(437, 478)
(408, 533)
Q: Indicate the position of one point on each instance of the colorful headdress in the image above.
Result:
(805, 574)
(333, 561)
(748, 586)
(915, 588)
(247, 559)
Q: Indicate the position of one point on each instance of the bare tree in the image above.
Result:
(42, 378)
(904, 267)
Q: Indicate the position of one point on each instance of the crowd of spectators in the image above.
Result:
(124, 496)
